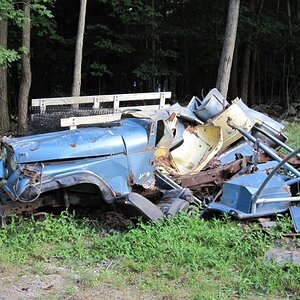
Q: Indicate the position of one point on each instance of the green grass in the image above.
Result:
(183, 258)
(292, 131)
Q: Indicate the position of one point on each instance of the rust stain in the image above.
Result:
(172, 117)
(190, 129)
(130, 180)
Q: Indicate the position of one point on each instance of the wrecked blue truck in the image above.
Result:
(153, 163)
(86, 166)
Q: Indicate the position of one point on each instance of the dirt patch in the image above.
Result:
(62, 283)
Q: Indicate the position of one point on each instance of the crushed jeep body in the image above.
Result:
(156, 162)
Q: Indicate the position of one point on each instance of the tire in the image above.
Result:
(173, 206)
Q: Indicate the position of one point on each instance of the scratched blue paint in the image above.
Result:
(79, 143)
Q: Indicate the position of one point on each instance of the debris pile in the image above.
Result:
(149, 161)
(232, 161)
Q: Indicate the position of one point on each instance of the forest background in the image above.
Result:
(147, 45)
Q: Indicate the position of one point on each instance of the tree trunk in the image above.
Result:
(234, 76)
(258, 66)
(4, 115)
(186, 54)
(26, 70)
(78, 51)
(252, 93)
(245, 72)
(153, 46)
(246, 61)
(228, 47)
(290, 65)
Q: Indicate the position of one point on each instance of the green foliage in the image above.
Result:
(147, 70)
(42, 19)
(100, 70)
(133, 12)
(110, 46)
(41, 9)
(7, 56)
(5, 8)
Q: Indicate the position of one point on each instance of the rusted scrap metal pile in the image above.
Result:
(224, 157)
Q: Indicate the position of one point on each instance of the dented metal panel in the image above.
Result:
(236, 116)
(200, 144)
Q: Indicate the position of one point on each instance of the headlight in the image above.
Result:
(4, 155)
(13, 163)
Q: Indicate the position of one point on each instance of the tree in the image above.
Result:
(4, 116)
(78, 52)
(6, 57)
(228, 47)
(26, 70)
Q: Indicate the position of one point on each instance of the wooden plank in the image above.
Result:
(43, 102)
(70, 100)
(155, 107)
(88, 120)
(143, 96)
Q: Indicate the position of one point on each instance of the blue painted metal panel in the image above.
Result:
(2, 169)
(110, 173)
(141, 162)
(238, 193)
(135, 134)
(229, 156)
(85, 142)
(113, 158)
(295, 213)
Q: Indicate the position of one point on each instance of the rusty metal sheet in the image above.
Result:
(216, 175)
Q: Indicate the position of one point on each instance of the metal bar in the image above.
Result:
(292, 181)
(268, 150)
(276, 140)
(173, 184)
(274, 200)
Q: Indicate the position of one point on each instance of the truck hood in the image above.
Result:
(79, 143)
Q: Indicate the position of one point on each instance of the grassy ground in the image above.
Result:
(293, 132)
(183, 258)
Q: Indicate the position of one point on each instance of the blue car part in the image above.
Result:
(256, 194)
